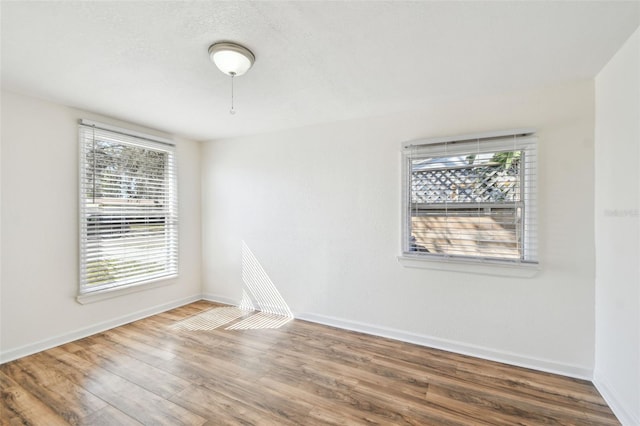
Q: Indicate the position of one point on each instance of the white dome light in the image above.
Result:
(230, 58)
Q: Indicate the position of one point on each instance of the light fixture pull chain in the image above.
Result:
(232, 111)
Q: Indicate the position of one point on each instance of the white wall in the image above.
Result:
(319, 208)
(40, 231)
(617, 231)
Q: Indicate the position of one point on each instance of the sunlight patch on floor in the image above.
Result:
(260, 320)
(210, 319)
(219, 317)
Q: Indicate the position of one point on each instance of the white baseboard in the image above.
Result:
(453, 346)
(51, 342)
(211, 297)
(624, 415)
(429, 341)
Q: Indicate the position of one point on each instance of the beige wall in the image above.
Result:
(617, 232)
(40, 231)
(319, 208)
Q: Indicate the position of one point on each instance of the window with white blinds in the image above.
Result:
(471, 198)
(128, 209)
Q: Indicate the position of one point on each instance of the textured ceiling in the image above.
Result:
(147, 62)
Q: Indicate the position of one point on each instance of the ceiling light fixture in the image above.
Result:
(232, 59)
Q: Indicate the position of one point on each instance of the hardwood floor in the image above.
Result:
(185, 367)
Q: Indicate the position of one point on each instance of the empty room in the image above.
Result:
(320, 213)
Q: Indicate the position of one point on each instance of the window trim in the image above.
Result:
(471, 266)
(491, 266)
(109, 293)
(126, 132)
(143, 140)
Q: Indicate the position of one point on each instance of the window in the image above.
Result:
(471, 198)
(128, 209)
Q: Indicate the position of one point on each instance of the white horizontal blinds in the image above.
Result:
(128, 210)
(473, 198)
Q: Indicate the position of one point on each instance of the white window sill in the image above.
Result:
(96, 296)
(470, 266)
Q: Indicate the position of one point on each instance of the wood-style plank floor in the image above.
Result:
(205, 363)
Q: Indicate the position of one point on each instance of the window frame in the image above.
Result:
(523, 140)
(87, 218)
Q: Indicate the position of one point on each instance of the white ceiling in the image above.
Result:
(147, 62)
